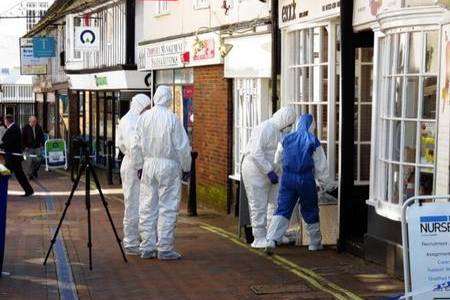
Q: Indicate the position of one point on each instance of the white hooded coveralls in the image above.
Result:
(126, 133)
(163, 152)
(258, 162)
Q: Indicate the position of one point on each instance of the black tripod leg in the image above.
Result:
(69, 200)
(88, 209)
(105, 204)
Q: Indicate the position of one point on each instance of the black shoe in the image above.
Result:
(35, 174)
(31, 177)
(28, 194)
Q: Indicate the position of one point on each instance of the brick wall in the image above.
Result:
(212, 135)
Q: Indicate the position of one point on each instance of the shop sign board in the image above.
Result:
(44, 46)
(29, 64)
(55, 154)
(294, 11)
(202, 49)
(429, 250)
(87, 38)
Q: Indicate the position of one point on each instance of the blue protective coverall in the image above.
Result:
(304, 162)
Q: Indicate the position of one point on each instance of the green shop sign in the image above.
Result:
(101, 81)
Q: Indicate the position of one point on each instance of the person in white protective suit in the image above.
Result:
(126, 132)
(163, 152)
(260, 173)
(304, 162)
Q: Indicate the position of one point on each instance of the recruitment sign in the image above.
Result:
(429, 250)
(55, 154)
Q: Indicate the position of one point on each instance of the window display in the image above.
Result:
(406, 124)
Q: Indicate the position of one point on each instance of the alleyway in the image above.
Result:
(215, 264)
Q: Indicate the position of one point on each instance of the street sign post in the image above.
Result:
(55, 154)
(426, 247)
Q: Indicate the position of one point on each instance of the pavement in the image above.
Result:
(215, 265)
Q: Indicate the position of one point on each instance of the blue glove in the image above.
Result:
(273, 177)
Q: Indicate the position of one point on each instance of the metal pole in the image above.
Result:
(274, 71)
(192, 202)
(109, 146)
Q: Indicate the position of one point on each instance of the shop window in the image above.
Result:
(251, 107)
(406, 119)
(311, 82)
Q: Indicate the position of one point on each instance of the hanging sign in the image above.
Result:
(44, 47)
(87, 38)
(55, 154)
(429, 250)
(29, 64)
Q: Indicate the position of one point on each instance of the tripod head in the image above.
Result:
(82, 145)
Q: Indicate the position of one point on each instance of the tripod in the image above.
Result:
(87, 168)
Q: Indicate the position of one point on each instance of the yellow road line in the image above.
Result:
(308, 275)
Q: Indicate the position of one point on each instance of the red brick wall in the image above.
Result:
(212, 135)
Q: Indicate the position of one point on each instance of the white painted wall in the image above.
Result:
(182, 18)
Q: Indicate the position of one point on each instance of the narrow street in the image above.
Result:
(215, 264)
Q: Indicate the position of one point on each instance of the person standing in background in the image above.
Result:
(12, 144)
(33, 140)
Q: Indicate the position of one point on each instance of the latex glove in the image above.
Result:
(139, 174)
(273, 177)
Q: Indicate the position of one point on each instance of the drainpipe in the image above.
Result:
(275, 58)
(130, 13)
(347, 120)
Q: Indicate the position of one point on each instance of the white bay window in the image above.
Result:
(404, 156)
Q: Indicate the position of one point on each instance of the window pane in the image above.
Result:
(409, 182)
(164, 77)
(415, 52)
(396, 140)
(426, 181)
(365, 162)
(366, 83)
(431, 58)
(366, 54)
(409, 154)
(398, 92)
(429, 98)
(366, 122)
(427, 142)
(395, 181)
(400, 66)
(411, 97)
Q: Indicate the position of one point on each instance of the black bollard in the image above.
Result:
(110, 154)
(192, 202)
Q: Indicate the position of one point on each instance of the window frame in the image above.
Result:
(381, 192)
(201, 4)
(161, 8)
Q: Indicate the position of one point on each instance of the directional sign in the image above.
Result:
(44, 47)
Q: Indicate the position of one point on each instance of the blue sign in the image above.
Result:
(44, 47)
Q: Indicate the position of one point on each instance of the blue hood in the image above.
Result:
(304, 122)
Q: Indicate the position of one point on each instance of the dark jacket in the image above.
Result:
(12, 143)
(32, 141)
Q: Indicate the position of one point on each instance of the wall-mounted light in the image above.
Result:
(224, 48)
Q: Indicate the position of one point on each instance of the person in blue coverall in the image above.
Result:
(304, 162)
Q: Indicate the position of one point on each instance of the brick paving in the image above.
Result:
(214, 265)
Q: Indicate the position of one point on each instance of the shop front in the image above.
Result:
(405, 116)
(193, 67)
(97, 102)
(311, 83)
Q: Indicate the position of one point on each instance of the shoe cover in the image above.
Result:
(270, 247)
(259, 243)
(315, 237)
(169, 255)
(132, 251)
(149, 254)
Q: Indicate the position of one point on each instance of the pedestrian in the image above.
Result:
(126, 133)
(163, 152)
(260, 173)
(33, 140)
(304, 161)
(2, 127)
(12, 144)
